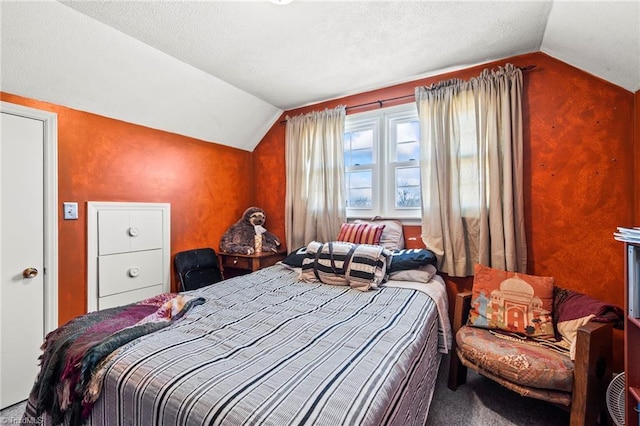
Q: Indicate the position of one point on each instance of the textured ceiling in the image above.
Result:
(240, 63)
(600, 37)
(307, 52)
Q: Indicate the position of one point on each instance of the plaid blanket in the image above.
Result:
(73, 353)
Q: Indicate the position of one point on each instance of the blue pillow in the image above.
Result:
(295, 258)
(402, 260)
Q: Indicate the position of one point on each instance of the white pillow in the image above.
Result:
(422, 274)
(392, 237)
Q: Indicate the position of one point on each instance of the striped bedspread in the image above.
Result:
(266, 349)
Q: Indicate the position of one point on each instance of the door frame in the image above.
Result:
(50, 281)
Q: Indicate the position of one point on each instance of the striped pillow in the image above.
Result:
(392, 237)
(360, 266)
(360, 233)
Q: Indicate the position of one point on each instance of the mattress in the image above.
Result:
(267, 349)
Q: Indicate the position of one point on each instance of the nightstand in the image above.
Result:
(234, 264)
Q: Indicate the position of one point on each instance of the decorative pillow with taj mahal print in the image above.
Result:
(512, 301)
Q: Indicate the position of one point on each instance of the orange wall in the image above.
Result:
(269, 172)
(578, 171)
(101, 159)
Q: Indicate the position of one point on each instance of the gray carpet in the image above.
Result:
(479, 402)
(12, 415)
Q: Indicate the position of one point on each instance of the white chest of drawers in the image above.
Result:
(128, 247)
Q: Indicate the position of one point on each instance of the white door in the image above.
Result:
(22, 255)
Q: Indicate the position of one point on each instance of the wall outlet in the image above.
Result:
(70, 211)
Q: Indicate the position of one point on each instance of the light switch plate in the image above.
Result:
(70, 211)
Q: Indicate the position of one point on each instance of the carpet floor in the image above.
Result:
(13, 414)
(481, 402)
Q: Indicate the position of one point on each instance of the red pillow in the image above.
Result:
(360, 233)
(512, 301)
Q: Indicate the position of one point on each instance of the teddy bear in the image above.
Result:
(241, 236)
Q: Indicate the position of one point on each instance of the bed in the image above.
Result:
(269, 349)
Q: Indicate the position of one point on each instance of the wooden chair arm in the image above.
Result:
(602, 330)
(461, 310)
(592, 372)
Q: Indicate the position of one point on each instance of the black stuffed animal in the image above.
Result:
(240, 237)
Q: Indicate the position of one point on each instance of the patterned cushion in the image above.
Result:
(360, 233)
(512, 301)
(525, 363)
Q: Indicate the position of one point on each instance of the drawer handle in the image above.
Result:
(133, 231)
(134, 272)
(235, 261)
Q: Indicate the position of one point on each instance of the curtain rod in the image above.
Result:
(380, 102)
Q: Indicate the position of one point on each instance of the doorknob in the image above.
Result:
(29, 272)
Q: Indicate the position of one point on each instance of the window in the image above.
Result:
(468, 162)
(381, 156)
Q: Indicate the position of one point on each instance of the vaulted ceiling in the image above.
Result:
(223, 71)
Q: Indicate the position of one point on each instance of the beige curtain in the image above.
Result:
(315, 205)
(471, 165)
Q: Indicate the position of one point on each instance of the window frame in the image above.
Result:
(383, 169)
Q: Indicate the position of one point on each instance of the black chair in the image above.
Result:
(197, 268)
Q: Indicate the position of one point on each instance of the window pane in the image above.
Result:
(408, 197)
(362, 139)
(407, 136)
(468, 137)
(408, 151)
(361, 156)
(360, 189)
(408, 131)
(408, 176)
(408, 187)
(359, 179)
(469, 191)
(359, 198)
(358, 147)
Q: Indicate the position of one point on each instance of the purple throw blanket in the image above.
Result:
(73, 352)
(570, 305)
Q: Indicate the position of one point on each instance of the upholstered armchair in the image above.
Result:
(535, 370)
